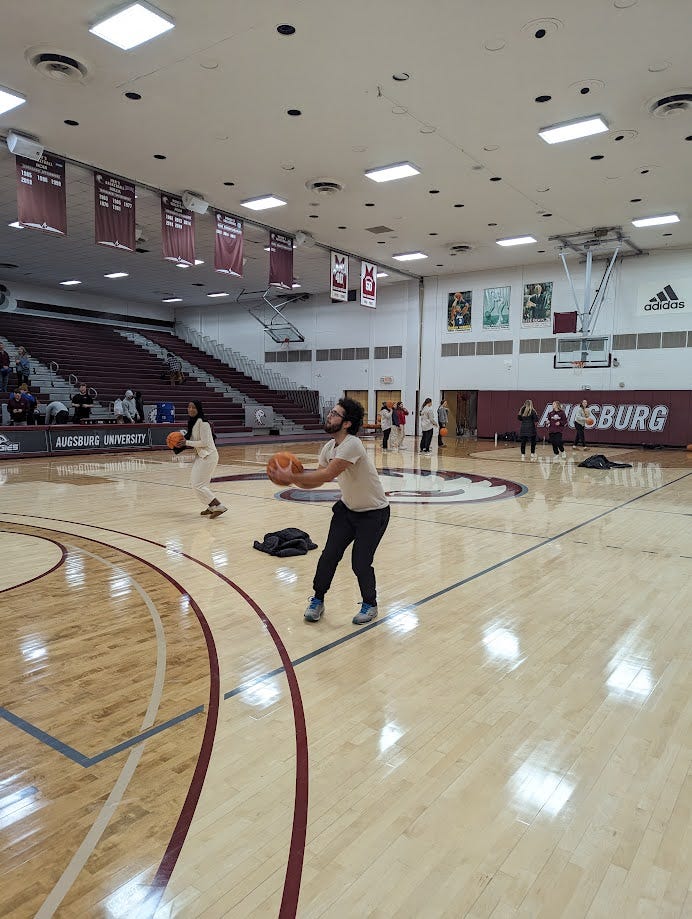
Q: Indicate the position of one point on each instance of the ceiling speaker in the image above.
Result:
(28, 147)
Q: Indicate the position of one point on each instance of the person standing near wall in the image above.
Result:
(528, 416)
(581, 417)
(442, 420)
(427, 424)
(557, 422)
(386, 423)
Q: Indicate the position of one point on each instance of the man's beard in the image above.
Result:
(333, 428)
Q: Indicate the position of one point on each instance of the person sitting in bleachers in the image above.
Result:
(125, 409)
(175, 369)
(81, 403)
(18, 408)
(32, 402)
(57, 413)
(22, 367)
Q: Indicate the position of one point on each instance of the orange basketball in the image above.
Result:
(590, 422)
(443, 432)
(175, 439)
(390, 405)
(284, 459)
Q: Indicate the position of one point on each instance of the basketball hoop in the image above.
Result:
(285, 344)
(577, 367)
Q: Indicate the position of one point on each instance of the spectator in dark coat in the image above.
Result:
(528, 417)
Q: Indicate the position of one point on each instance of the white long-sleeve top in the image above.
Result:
(428, 421)
(202, 441)
(385, 418)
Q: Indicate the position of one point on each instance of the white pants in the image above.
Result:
(397, 436)
(200, 477)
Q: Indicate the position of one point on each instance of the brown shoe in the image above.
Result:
(217, 510)
(206, 512)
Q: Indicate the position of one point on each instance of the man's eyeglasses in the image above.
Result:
(336, 414)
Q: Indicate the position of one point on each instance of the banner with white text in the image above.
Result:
(368, 285)
(339, 276)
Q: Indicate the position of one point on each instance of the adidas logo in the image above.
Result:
(665, 299)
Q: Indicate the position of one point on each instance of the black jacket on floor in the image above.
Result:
(285, 542)
(599, 461)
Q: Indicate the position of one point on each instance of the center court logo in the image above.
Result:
(665, 299)
(409, 486)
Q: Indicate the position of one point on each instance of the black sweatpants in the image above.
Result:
(364, 529)
(523, 440)
(385, 437)
(426, 439)
(556, 441)
(579, 439)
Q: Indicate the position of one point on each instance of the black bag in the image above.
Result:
(284, 543)
(599, 461)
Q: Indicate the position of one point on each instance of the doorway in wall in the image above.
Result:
(386, 395)
(359, 395)
(463, 409)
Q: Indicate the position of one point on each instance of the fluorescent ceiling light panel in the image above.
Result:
(9, 100)
(69, 283)
(572, 130)
(117, 274)
(656, 221)
(409, 256)
(516, 241)
(220, 293)
(263, 203)
(16, 225)
(172, 300)
(132, 26)
(390, 173)
(382, 274)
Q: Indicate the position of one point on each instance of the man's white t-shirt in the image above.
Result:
(361, 488)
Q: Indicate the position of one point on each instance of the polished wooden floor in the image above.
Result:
(512, 737)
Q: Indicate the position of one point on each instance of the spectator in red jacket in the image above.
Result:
(18, 408)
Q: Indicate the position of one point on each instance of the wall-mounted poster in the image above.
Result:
(537, 305)
(496, 307)
(459, 311)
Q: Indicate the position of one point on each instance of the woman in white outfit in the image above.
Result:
(427, 423)
(200, 438)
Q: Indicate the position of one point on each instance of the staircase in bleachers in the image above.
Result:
(259, 392)
(98, 356)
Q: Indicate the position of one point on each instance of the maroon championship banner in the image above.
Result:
(228, 246)
(368, 285)
(41, 201)
(339, 276)
(114, 212)
(280, 260)
(622, 417)
(177, 231)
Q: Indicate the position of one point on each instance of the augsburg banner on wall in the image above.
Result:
(41, 200)
(368, 284)
(339, 276)
(228, 245)
(280, 260)
(114, 212)
(177, 230)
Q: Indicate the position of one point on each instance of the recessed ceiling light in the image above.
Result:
(294, 112)
(369, 204)
(656, 221)
(597, 156)
(571, 130)
(390, 173)
(342, 228)
(546, 215)
(69, 283)
(401, 77)
(409, 256)
(117, 274)
(9, 100)
(542, 98)
(433, 234)
(496, 179)
(229, 183)
(433, 191)
(314, 216)
(492, 224)
(458, 205)
(220, 293)
(137, 23)
(71, 122)
(134, 96)
(635, 200)
(666, 234)
(172, 300)
(689, 137)
(159, 156)
(286, 29)
(516, 241)
(16, 225)
(540, 251)
(382, 274)
(263, 203)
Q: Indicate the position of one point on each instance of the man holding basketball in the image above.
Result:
(361, 515)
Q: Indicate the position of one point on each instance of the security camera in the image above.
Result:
(194, 202)
(22, 145)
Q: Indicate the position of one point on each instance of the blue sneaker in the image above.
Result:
(314, 611)
(366, 614)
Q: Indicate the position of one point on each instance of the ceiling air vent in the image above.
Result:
(671, 104)
(59, 67)
(460, 248)
(325, 187)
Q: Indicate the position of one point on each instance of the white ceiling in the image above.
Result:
(215, 91)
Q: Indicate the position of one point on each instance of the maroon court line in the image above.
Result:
(184, 821)
(294, 867)
(44, 574)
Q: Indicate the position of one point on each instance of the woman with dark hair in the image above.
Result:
(386, 423)
(199, 436)
(427, 424)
